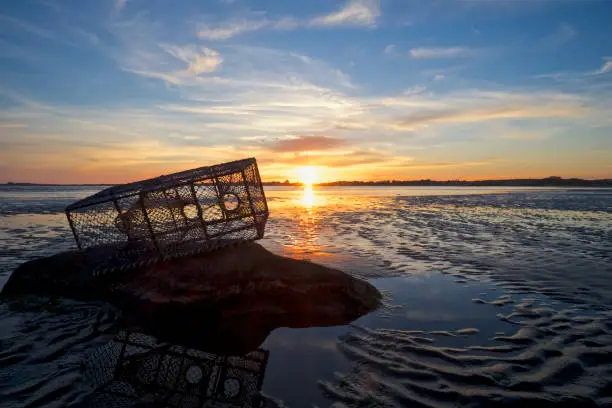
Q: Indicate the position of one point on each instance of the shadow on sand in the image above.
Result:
(191, 328)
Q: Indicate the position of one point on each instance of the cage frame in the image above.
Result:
(205, 176)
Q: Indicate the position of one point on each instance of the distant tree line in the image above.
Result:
(553, 181)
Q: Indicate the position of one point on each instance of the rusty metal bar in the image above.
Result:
(71, 223)
(200, 212)
(150, 226)
(263, 196)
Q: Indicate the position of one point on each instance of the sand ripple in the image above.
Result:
(537, 242)
(555, 243)
(563, 358)
(42, 347)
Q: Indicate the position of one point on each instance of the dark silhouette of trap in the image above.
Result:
(170, 216)
(135, 369)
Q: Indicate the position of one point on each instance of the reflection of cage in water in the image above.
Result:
(134, 369)
(173, 215)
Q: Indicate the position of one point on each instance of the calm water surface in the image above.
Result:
(493, 296)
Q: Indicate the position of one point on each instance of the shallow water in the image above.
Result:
(492, 296)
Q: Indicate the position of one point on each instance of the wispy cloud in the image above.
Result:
(415, 90)
(389, 49)
(354, 13)
(28, 27)
(433, 52)
(359, 13)
(606, 67)
(338, 159)
(66, 35)
(563, 34)
(441, 52)
(417, 111)
(233, 27)
(307, 143)
(141, 50)
(435, 165)
(482, 114)
(199, 60)
(12, 125)
(525, 135)
(238, 89)
(89, 37)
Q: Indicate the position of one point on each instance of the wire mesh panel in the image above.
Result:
(172, 215)
(134, 369)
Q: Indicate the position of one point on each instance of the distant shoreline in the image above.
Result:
(545, 182)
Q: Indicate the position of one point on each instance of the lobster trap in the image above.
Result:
(172, 215)
(134, 369)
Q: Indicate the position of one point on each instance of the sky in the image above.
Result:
(110, 91)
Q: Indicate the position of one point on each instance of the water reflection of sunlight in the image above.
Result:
(304, 240)
(308, 197)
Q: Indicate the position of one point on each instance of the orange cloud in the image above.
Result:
(306, 143)
(11, 125)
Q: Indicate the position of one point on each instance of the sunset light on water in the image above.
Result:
(308, 199)
(308, 176)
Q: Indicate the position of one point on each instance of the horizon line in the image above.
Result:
(553, 179)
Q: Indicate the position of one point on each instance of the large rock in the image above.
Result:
(226, 300)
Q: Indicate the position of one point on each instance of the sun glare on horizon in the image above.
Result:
(308, 175)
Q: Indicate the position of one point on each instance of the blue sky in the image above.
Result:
(115, 90)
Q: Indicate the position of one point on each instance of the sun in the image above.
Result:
(308, 175)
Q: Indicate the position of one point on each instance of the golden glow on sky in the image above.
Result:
(170, 97)
(308, 175)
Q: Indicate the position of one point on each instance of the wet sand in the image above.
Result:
(496, 298)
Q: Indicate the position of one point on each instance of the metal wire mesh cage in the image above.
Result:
(173, 215)
(134, 369)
